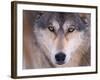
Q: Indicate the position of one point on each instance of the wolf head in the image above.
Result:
(64, 38)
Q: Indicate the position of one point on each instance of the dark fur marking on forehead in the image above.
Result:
(60, 18)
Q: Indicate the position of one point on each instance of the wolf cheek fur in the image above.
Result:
(68, 45)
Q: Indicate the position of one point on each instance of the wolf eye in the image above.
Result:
(51, 28)
(71, 29)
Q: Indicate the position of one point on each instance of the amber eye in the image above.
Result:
(71, 29)
(51, 28)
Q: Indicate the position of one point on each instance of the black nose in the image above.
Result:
(60, 57)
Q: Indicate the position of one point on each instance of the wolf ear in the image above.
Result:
(39, 14)
(85, 18)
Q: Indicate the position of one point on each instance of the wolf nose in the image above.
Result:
(60, 57)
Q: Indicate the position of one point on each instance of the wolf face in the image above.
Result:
(64, 38)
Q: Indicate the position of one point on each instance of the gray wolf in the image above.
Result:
(59, 40)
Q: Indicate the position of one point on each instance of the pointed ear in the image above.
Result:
(86, 18)
(39, 14)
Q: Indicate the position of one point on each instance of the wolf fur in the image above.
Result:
(41, 45)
